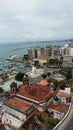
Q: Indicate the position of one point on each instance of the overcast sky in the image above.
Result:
(22, 20)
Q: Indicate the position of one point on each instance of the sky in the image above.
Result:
(31, 20)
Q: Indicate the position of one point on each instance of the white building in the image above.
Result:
(15, 112)
(58, 76)
(57, 110)
(64, 97)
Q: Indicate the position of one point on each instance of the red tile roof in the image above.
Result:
(60, 107)
(37, 112)
(17, 103)
(43, 83)
(35, 91)
(62, 94)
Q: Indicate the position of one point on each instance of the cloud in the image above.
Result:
(36, 20)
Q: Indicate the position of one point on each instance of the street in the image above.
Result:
(69, 126)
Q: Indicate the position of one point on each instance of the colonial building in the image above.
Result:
(57, 110)
(64, 97)
(15, 112)
(36, 94)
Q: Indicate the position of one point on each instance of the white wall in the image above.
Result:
(13, 117)
(57, 114)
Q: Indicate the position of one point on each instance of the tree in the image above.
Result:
(62, 85)
(51, 61)
(48, 74)
(54, 62)
(19, 76)
(1, 90)
(69, 74)
(36, 63)
(7, 94)
(44, 76)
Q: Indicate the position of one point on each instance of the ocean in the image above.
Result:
(7, 50)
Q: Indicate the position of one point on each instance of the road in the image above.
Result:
(69, 126)
(39, 78)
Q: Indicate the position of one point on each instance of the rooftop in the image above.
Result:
(60, 107)
(43, 83)
(35, 91)
(62, 94)
(18, 104)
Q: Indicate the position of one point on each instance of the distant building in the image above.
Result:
(67, 59)
(39, 51)
(29, 53)
(58, 76)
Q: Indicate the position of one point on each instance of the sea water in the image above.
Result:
(9, 49)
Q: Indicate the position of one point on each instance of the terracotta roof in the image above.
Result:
(44, 83)
(17, 103)
(35, 91)
(60, 107)
(37, 112)
(62, 94)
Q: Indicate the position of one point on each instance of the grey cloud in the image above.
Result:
(36, 19)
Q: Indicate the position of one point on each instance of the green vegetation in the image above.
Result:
(48, 120)
(69, 74)
(48, 74)
(44, 76)
(28, 123)
(62, 85)
(7, 94)
(19, 76)
(57, 62)
(36, 64)
(1, 90)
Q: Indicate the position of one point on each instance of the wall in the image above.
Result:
(13, 117)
